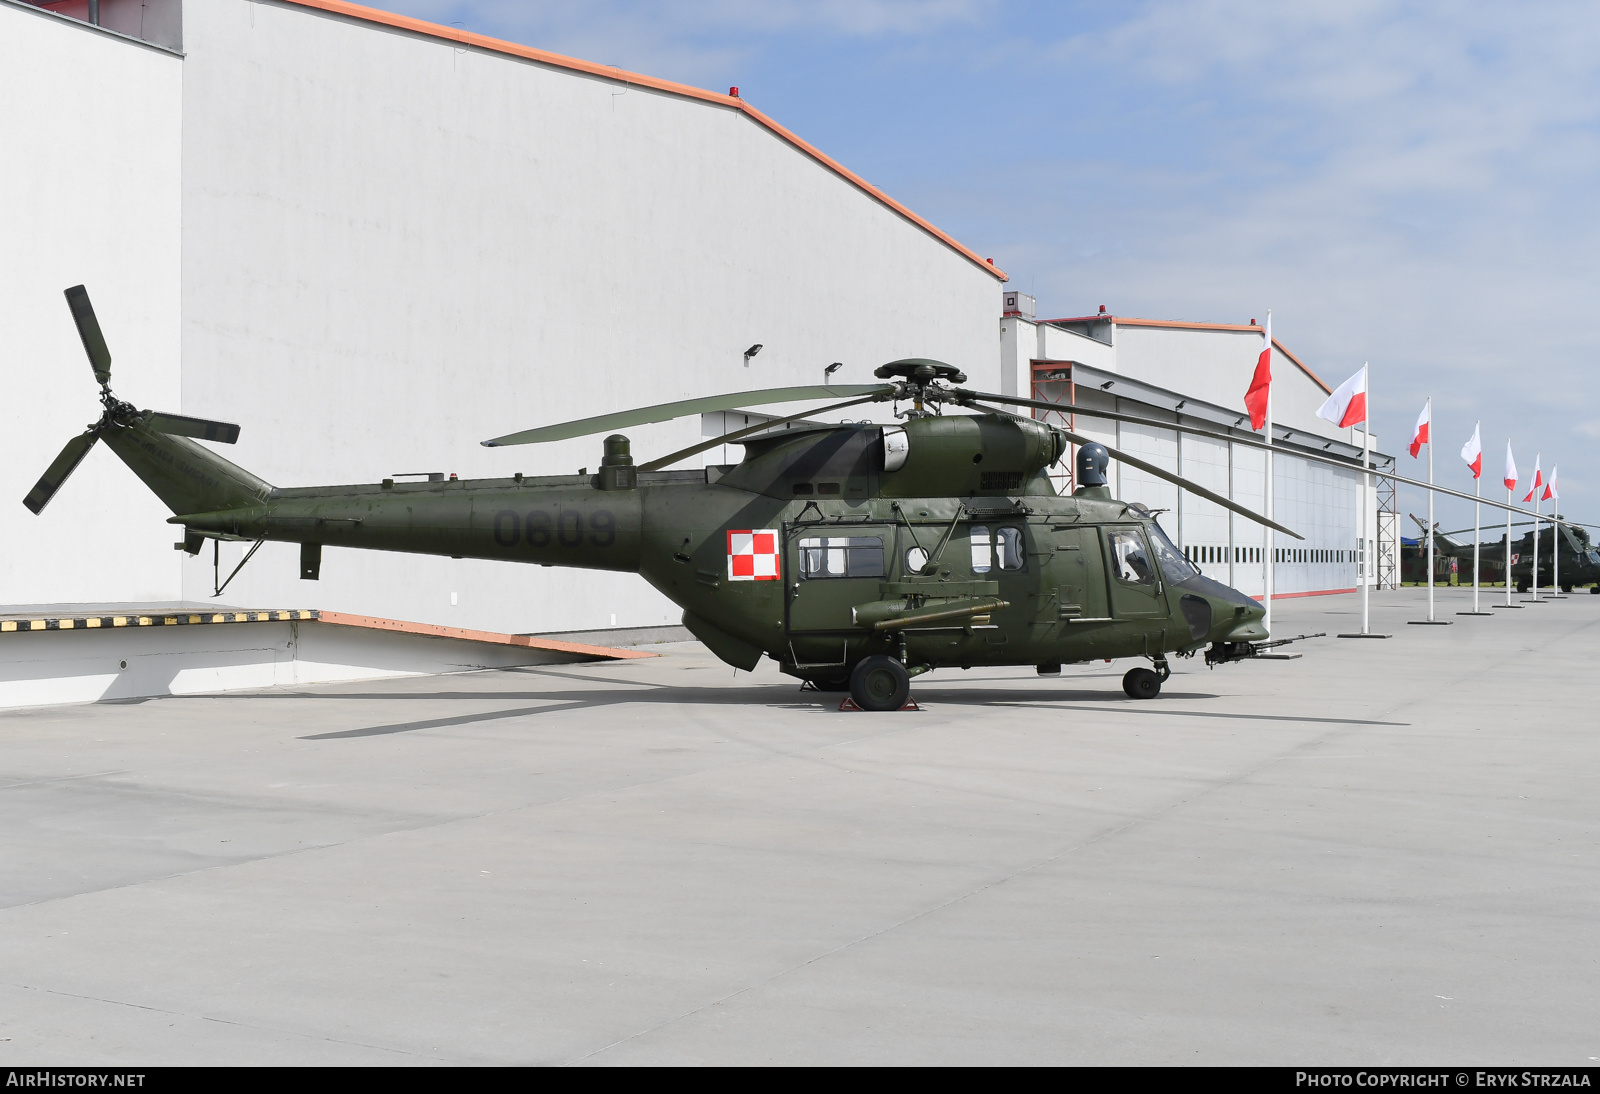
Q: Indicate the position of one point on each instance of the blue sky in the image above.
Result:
(1410, 184)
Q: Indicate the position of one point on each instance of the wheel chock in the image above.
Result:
(850, 704)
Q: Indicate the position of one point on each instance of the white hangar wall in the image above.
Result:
(91, 195)
(395, 247)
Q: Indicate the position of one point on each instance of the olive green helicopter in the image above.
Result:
(855, 555)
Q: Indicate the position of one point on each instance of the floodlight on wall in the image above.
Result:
(831, 369)
(1107, 385)
(751, 352)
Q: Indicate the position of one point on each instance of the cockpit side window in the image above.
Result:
(1129, 561)
(1173, 564)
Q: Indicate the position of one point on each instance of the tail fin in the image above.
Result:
(185, 475)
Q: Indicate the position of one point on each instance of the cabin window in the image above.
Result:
(1129, 558)
(827, 488)
(916, 559)
(1008, 548)
(981, 563)
(802, 489)
(841, 556)
(1003, 546)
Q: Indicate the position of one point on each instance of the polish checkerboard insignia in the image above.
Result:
(753, 555)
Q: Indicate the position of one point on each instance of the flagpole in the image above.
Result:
(1555, 539)
(1343, 414)
(1477, 511)
(1266, 532)
(1507, 555)
(1366, 494)
(1535, 491)
(1430, 509)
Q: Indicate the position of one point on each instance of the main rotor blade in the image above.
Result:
(180, 426)
(1514, 524)
(1193, 487)
(94, 343)
(969, 398)
(67, 462)
(663, 412)
(685, 453)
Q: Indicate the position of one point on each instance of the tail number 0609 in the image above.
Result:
(564, 528)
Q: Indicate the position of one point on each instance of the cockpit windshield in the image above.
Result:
(1173, 565)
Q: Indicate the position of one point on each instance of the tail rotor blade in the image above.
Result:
(71, 456)
(180, 426)
(94, 343)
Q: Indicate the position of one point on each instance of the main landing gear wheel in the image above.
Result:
(880, 682)
(1142, 684)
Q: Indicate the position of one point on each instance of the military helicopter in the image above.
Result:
(855, 555)
(1580, 561)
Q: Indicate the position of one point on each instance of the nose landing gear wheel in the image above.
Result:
(880, 682)
(1141, 684)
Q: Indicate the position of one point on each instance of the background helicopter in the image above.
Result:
(855, 555)
(1580, 561)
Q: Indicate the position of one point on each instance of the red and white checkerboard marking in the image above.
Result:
(753, 554)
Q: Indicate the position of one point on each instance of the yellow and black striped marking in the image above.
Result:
(95, 622)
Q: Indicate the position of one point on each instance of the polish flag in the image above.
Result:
(1419, 435)
(1538, 481)
(1472, 452)
(1347, 406)
(1550, 492)
(1255, 399)
(1511, 469)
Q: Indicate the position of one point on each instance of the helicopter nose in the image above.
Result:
(1235, 622)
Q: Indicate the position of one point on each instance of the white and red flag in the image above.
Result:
(1538, 480)
(1511, 469)
(1472, 452)
(1419, 433)
(1255, 399)
(1550, 491)
(1347, 406)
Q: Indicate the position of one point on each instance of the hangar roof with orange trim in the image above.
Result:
(728, 102)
